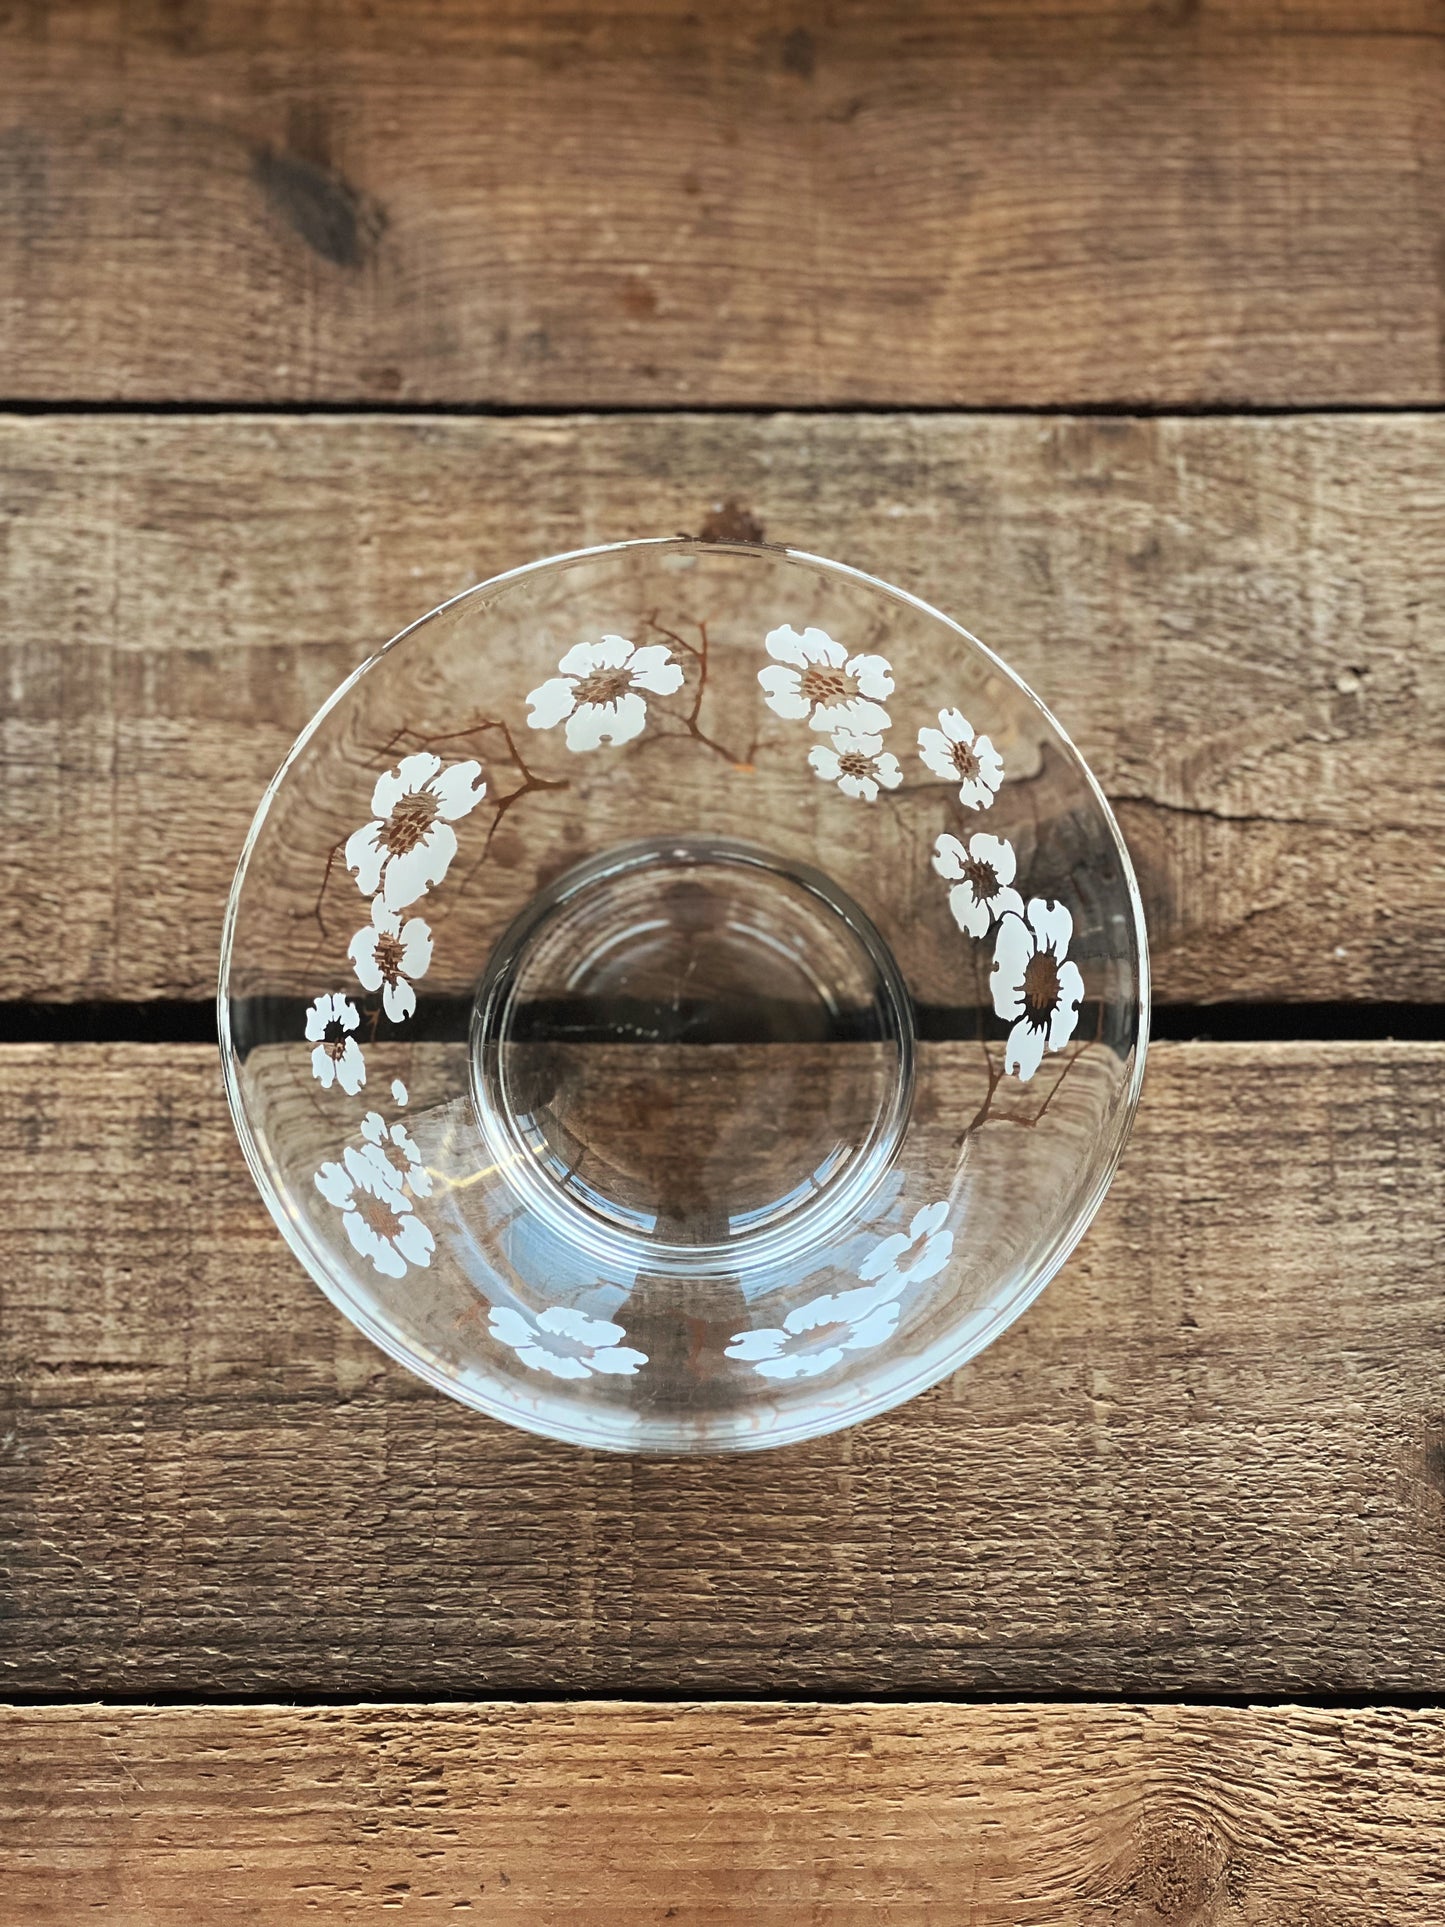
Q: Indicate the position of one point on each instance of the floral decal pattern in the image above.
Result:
(337, 1058)
(564, 1342)
(600, 691)
(1035, 987)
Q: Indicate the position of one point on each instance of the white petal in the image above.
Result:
(887, 771)
(343, 1011)
(618, 1360)
(885, 1256)
(975, 794)
(825, 761)
(550, 702)
(592, 724)
(583, 657)
(316, 1020)
(997, 852)
(853, 713)
(567, 1322)
(818, 646)
(362, 952)
(990, 763)
(872, 674)
(1013, 947)
(351, 1068)
(1051, 924)
(955, 725)
(1066, 1016)
(786, 645)
(334, 1183)
(935, 1255)
(410, 875)
(398, 1000)
(873, 1329)
(414, 1241)
(862, 788)
(458, 790)
(398, 1091)
(654, 668)
(1008, 903)
(323, 1069)
(861, 743)
(510, 1326)
(416, 947)
(933, 748)
(949, 855)
(1025, 1051)
(783, 688)
(757, 1344)
(384, 1256)
(556, 1363)
(969, 914)
(373, 1128)
(928, 1220)
(364, 854)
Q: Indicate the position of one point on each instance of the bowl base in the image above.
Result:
(696, 1047)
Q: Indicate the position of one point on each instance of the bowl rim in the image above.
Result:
(931, 1370)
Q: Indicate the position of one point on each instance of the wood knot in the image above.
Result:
(1181, 1866)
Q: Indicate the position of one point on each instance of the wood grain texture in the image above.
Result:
(1234, 620)
(617, 1815)
(646, 203)
(1210, 1460)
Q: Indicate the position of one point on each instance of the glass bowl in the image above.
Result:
(683, 996)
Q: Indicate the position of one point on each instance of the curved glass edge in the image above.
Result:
(671, 1441)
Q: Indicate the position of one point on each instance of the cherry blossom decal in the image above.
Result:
(982, 873)
(1035, 987)
(953, 752)
(337, 1058)
(409, 843)
(564, 1342)
(377, 1215)
(389, 955)
(390, 1148)
(814, 678)
(601, 690)
(859, 765)
(910, 1257)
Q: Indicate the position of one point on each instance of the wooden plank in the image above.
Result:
(1232, 617)
(642, 203)
(614, 1814)
(1211, 1460)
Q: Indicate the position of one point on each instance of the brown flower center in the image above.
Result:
(822, 685)
(853, 762)
(389, 953)
(377, 1215)
(983, 877)
(409, 822)
(334, 1041)
(604, 685)
(965, 762)
(1041, 988)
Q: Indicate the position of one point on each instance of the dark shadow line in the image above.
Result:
(1127, 410)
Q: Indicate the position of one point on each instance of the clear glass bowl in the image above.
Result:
(683, 997)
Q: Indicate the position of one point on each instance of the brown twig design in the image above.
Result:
(691, 727)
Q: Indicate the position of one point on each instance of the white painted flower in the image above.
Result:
(813, 676)
(337, 1058)
(598, 691)
(909, 1257)
(859, 765)
(982, 873)
(1035, 988)
(953, 752)
(389, 955)
(818, 1335)
(410, 842)
(378, 1217)
(564, 1342)
(391, 1147)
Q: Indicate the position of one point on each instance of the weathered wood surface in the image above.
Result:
(618, 1814)
(912, 203)
(1210, 1460)
(1234, 619)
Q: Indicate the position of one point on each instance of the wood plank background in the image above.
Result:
(841, 1816)
(311, 315)
(641, 202)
